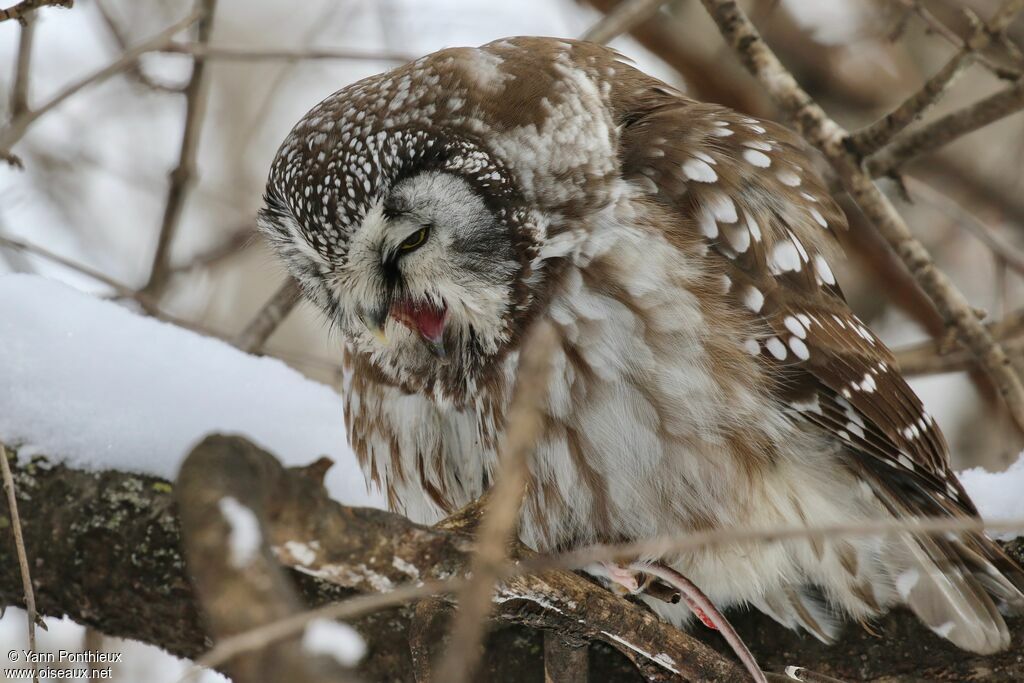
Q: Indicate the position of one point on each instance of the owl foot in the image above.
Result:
(622, 580)
(705, 610)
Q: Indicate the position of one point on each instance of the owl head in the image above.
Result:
(417, 207)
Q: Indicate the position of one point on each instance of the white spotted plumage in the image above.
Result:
(709, 373)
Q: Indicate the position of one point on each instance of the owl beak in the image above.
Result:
(374, 319)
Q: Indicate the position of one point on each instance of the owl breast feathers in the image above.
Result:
(709, 373)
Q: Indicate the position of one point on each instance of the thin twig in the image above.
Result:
(1000, 246)
(277, 308)
(930, 357)
(261, 636)
(946, 129)
(223, 52)
(870, 139)
(829, 137)
(19, 124)
(24, 8)
(121, 40)
(19, 90)
(951, 36)
(119, 288)
(184, 173)
(622, 19)
(19, 545)
(501, 514)
(234, 243)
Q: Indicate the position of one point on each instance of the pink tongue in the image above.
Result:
(426, 320)
(430, 322)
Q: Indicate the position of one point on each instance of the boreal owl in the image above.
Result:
(709, 373)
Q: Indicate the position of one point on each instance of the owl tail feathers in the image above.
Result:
(802, 607)
(947, 585)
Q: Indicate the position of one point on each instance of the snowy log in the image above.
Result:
(106, 550)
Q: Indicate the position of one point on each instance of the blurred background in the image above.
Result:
(95, 183)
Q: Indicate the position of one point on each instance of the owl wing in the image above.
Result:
(748, 188)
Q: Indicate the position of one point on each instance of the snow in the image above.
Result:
(140, 662)
(244, 536)
(998, 495)
(334, 639)
(92, 383)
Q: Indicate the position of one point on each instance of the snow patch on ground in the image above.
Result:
(91, 382)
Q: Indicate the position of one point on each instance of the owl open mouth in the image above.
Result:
(425, 318)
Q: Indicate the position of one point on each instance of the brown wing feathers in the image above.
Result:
(746, 186)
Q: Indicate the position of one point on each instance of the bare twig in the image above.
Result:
(621, 19)
(18, 245)
(19, 544)
(277, 308)
(19, 90)
(223, 52)
(930, 357)
(946, 129)
(234, 243)
(24, 8)
(184, 173)
(829, 137)
(269, 633)
(19, 124)
(877, 135)
(872, 138)
(936, 25)
(121, 40)
(501, 514)
(1000, 246)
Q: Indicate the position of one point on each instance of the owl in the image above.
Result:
(708, 372)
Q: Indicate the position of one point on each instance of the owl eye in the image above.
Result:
(415, 240)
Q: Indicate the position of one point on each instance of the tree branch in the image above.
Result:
(270, 316)
(20, 124)
(106, 552)
(184, 173)
(946, 129)
(621, 19)
(23, 9)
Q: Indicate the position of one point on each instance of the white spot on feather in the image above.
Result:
(799, 348)
(823, 271)
(906, 581)
(753, 299)
(755, 158)
(818, 217)
(785, 257)
(776, 348)
(788, 178)
(698, 170)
